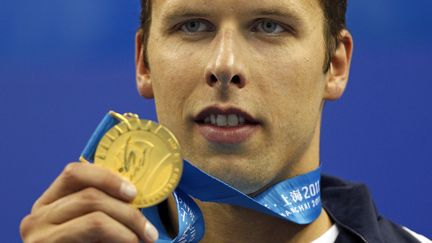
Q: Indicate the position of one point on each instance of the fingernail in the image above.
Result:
(128, 189)
(151, 232)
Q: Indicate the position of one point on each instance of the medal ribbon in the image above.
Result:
(296, 199)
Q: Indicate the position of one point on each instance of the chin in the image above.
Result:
(238, 174)
(247, 185)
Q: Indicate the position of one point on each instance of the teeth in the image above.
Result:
(232, 120)
(241, 120)
(220, 120)
(207, 120)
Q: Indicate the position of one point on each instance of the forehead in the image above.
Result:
(305, 10)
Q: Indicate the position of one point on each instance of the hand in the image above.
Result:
(87, 203)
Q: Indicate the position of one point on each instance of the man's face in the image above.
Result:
(240, 83)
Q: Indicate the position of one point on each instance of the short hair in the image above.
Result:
(334, 23)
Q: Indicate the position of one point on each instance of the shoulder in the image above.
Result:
(351, 207)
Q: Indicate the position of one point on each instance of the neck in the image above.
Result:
(228, 223)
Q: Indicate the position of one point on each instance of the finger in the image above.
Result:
(77, 176)
(93, 227)
(92, 200)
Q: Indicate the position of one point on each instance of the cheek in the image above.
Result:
(290, 68)
(294, 84)
(175, 74)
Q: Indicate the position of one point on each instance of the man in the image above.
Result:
(242, 85)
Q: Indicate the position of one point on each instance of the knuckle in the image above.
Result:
(133, 238)
(91, 196)
(70, 172)
(136, 216)
(36, 205)
(26, 225)
(97, 222)
(110, 179)
(35, 240)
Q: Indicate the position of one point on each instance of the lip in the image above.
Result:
(225, 111)
(228, 134)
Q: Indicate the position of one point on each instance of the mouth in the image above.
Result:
(226, 125)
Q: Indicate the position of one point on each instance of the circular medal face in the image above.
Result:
(145, 153)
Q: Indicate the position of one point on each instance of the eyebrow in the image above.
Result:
(278, 12)
(181, 13)
(184, 12)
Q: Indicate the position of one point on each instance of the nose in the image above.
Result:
(225, 67)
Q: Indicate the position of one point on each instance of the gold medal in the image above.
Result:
(144, 152)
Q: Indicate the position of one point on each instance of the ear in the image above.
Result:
(143, 80)
(339, 67)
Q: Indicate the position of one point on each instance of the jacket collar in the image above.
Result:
(351, 207)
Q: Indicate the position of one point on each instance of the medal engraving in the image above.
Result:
(145, 153)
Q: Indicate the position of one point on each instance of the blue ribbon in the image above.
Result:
(296, 199)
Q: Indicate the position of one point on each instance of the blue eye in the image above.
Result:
(269, 27)
(194, 26)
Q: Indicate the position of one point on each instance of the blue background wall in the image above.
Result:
(63, 64)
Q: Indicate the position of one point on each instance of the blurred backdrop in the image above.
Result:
(64, 64)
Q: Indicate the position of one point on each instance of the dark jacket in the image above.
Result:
(351, 207)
